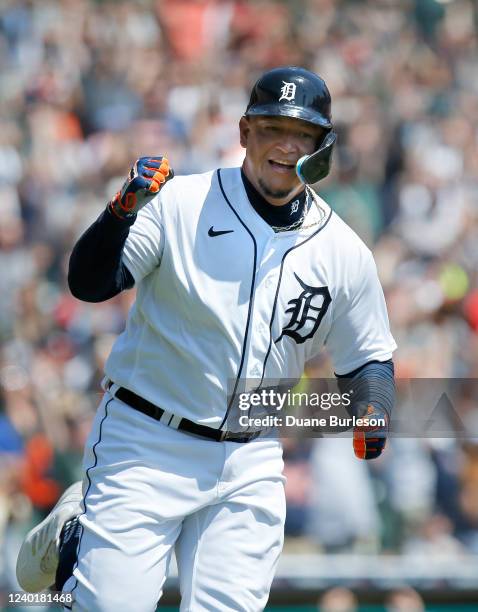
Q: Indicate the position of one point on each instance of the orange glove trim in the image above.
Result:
(360, 446)
(129, 203)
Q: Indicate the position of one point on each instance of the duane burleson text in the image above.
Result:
(293, 421)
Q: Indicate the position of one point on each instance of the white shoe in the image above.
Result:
(38, 557)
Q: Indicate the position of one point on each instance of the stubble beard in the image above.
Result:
(277, 194)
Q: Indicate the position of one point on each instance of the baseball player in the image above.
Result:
(241, 273)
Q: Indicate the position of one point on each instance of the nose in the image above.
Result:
(289, 143)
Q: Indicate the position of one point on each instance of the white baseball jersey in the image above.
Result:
(222, 297)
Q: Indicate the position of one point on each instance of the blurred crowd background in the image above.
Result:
(88, 86)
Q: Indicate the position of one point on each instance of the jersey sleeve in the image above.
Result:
(360, 330)
(144, 246)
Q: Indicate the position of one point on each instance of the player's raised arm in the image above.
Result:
(96, 269)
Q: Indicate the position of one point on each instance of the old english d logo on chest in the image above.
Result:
(306, 312)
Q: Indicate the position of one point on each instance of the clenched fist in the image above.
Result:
(145, 179)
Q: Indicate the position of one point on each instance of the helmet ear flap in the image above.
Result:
(313, 168)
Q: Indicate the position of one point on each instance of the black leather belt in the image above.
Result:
(155, 412)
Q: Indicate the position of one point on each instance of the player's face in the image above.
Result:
(273, 147)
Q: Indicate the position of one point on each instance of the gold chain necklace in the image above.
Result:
(298, 224)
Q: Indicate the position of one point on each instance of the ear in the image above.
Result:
(244, 128)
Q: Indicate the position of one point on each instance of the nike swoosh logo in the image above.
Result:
(213, 232)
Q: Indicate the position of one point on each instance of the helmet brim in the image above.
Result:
(289, 110)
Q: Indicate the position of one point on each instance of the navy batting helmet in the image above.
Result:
(291, 91)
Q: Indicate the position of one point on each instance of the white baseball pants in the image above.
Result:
(149, 488)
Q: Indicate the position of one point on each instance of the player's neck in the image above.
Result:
(277, 216)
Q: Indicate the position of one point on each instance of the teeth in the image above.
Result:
(282, 163)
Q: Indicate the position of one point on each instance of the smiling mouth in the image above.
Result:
(282, 166)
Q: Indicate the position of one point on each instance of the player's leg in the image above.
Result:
(142, 478)
(124, 546)
(227, 552)
(48, 554)
(38, 557)
(120, 568)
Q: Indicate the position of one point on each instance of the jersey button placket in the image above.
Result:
(263, 303)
